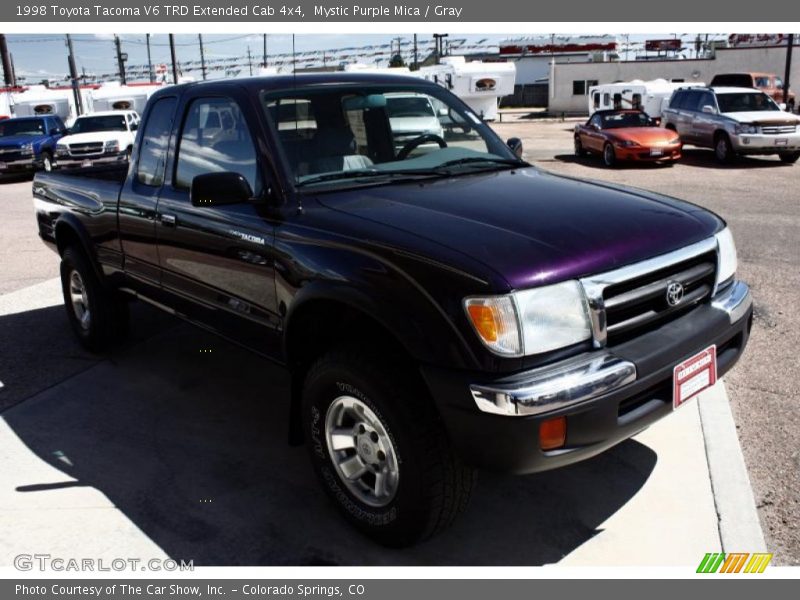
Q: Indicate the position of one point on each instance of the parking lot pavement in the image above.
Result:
(164, 450)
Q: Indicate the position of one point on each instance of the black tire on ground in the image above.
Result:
(98, 316)
(579, 150)
(424, 486)
(789, 157)
(609, 156)
(47, 161)
(723, 150)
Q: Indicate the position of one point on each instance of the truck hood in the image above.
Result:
(415, 124)
(95, 136)
(15, 141)
(764, 117)
(533, 227)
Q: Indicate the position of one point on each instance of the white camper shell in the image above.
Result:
(113, 96)
(38, 100)
(479, 84)
(649, 96)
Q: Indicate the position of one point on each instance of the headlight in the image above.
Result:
(627, 143)
(26, 149)
(111, 146)
(676, 140)
(61, 150)
(745, 128)
(531, 321)
(726, 253)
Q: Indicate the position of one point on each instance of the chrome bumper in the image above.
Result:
(584, 377)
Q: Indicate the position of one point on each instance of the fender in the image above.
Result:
(69, 222)
(414, 319)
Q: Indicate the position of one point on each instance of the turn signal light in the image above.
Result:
(483, 318)
(553, 433)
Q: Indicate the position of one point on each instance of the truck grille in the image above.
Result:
(640, 304)
(778, 129)
(86, 149)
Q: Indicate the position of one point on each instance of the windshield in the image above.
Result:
(745, 102)
(350, 134)
(408, 106)
(21, 127)
(101, 123)
(626, 119)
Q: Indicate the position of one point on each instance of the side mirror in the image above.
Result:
(782, 105)
(708, 109)
(219, 188)
(443, 112)
(516, 146)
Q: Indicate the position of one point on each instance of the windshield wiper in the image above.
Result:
(365, 175)
(511, 162)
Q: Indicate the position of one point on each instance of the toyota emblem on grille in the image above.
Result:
(674, 293)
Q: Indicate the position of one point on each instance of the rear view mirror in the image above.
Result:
(220, 188)
(364, 102)
(516, 146)
(708, 109)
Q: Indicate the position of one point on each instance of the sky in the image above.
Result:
(44, 56)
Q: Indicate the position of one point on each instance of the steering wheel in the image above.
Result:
(418, 141)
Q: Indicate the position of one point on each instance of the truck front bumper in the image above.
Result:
(22, 165)
(76, 162)
(606, 395)
(746, 143)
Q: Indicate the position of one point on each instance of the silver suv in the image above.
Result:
(733, 121)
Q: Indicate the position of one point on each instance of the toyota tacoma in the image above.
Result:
(442, 307)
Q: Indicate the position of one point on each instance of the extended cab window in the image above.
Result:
(215, 138)
(153, 149)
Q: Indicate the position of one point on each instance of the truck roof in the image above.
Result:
(289, 81)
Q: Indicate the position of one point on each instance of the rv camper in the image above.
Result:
(649, 96)
(113, 96)
(479, 84)
(38, 101)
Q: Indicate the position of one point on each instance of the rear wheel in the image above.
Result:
(609, 156)
(723, 150)
(98, 316)
(579, 150)
(379, 448)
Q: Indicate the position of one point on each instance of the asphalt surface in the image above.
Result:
(760, 200)
(758, 197)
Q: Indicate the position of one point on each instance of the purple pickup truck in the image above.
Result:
(442, 305)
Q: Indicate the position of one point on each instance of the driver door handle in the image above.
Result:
(168, 220)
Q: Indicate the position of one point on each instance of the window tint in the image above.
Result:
(153, 145)
(677, 99)
(215, 138)
(596, 100)
(762, 82)
(691, 101)
(595, 120)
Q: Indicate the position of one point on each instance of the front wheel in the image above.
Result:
(609, 156)
(723, 149)
(47, 161)
(789, 157)
(378, 447)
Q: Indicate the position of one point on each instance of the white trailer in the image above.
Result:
(649, 96)
(113, 96)
(479, 84)
(39, 100)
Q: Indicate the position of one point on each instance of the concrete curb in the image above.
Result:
(739, 526)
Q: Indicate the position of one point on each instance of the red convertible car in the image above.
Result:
(619, 135)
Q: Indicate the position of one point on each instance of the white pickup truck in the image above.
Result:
(101, 137)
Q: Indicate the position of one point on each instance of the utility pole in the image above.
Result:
(202, 56)
(121, 58)
(787, 74)
(439, 37)
(174, 60)
(73, 75)
(250, 60)
(149, 61)
(415, 66)
(264, 61)
(8, 70)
